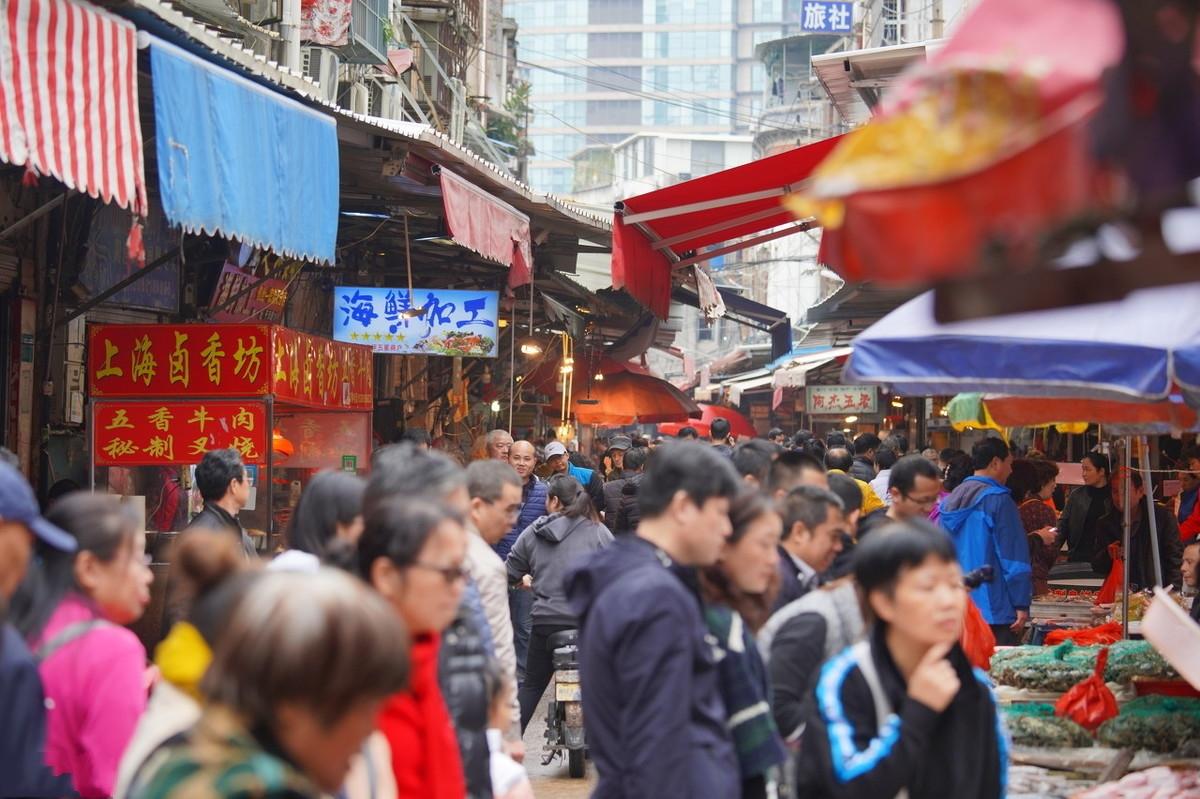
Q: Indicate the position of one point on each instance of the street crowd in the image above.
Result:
(775, 617)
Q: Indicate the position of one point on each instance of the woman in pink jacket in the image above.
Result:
(70, 608)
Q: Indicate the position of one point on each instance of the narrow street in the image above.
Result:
(552, 781)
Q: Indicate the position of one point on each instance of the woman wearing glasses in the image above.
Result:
(412, 553)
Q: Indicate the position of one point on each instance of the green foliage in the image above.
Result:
(512, 131)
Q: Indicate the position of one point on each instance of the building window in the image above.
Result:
(707, 157)
(614, 45)
(614, 12)
(614, 79)
(768, 10)
(614, 112)
(705, 331)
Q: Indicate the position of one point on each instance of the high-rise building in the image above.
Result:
(604, 70)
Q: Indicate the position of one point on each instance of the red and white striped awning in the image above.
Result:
(69, 100)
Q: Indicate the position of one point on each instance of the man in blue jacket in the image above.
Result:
(23, 770)
(983, 520)
(652, 709)
(523, 458)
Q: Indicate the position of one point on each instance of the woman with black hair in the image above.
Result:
(326, 524)
(538, 562)
(1031, 483)
(738, 593)
(72, 609)
(1086, 506)
(903, 713)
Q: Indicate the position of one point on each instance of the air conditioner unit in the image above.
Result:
(321, 65)
(360, 98)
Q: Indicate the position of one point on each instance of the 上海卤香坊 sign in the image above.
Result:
(427, 322)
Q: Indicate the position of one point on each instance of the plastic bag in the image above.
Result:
(978, 640)
(1108, 633)
(1089, 703)
(1116, 576)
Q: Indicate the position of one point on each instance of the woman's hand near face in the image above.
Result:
(934, 683)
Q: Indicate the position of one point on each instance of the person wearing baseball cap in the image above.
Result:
(559, 462)
(23, 769)
(617, 448)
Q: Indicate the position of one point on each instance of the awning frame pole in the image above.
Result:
(708, 205)
(1127, 486)
(33, 216)
(716, 228)
(708, 255)
(1144, 468)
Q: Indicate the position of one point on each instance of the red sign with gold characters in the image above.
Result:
(219, 360)
(172, 433)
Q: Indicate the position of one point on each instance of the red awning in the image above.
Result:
(488, 226)
(657, 232)
(69, 98)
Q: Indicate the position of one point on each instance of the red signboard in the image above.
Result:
(172, 433)
(319, 372)
(322, 440)
(223, 360)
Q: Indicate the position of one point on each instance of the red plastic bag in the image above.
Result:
(1116, 576)
(1089, 703)
(1108, 633)
(978, 640)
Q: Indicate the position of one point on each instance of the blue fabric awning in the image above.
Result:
(236, 159)
(1131, 349)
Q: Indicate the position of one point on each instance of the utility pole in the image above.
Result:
(289, 30)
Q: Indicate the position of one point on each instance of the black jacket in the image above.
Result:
(793, 583)
(462, 660)
(23, 769)
(652, 707)
(959, 752)
(214, 517)
(612, 498)
(1084, 544)
(1140, 559)
(629, 512)
(863, 468)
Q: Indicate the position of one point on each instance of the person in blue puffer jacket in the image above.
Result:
(523, 458)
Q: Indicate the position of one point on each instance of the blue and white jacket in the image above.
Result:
(847, 752)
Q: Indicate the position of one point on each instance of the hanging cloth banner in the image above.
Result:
(238, 160)
(488, 226)
(69, 100)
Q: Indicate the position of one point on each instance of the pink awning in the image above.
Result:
(488, 226)
(69, 99)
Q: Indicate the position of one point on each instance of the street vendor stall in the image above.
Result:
(162, 395)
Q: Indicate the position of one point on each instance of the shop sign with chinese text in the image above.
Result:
(462, 323)
(859, 400)
(219, 360)
(826, 16)
(170, 433)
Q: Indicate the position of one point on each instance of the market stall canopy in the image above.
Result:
(488, 226)
(793, 373)
(989, 143)
(664, 230)
(240, 161)
(628, 396)
(1138, 348)
(68, 98)
(1161, 417)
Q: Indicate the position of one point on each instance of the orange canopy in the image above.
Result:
(626, 397)
(1023, 411)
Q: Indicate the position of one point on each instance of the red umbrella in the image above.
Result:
(739, 425)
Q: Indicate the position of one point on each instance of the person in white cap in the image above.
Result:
(560, 463)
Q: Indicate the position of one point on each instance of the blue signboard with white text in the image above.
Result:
(430, 322)
(826, 16)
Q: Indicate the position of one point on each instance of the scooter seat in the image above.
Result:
(561, 639)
